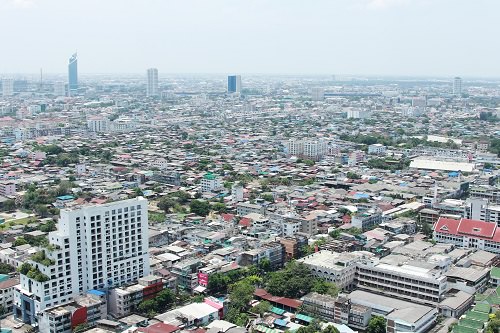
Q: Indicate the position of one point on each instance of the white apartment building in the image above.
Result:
(245, 208)
(7, 87)
(59, 88)
(94, 247)
(210, 183)
(7, 189)
(377, 149)
(7, 293)
(309, 149)
(152, 86)
(358, 113)
(237, 193)
(457, 86)
(481, 210)
(98, 124)
(492, 193)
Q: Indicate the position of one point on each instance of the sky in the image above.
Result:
(439, 38)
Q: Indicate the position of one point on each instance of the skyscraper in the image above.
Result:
(59, 88)
(7, 87)
(73, 73)
(234, 83)
(94, 247)
(152, 89)
(457, 86)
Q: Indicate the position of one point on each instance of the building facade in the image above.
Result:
(152, 86)
(95, 247)
(73, 74)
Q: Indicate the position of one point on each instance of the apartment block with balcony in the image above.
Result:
(94, 247)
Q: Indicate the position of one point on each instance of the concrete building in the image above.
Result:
(401, 316)
(308, 149)
(457, 86)
(377, 149)
(317, 94)
(65, 318)
(339, 268)
(98, 124)
(245, 208)
(492, 193)
(152, 84)
(293, 246)
(94, 247)
(237, 193)
(7, 87)
(353, 113)
(478, 209)
(59, 89)
(7, 189)
(124, 300)
(210, 183)
(468, 234)
(7, 293)
(272, 251)
(319, 306)
(234, 84)
(415, 281)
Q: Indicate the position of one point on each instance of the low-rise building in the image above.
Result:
(468, 233)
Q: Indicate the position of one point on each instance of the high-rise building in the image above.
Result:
(234, 84)
(95, 247)
(59, 88)
(457, 86)
(73, 74)
(7, 87)
(317, 94)
(152, 89)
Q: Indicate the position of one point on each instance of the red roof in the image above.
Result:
(227, 217)
(246, 222)
(159, 328)
(290, 302)
(466, 227)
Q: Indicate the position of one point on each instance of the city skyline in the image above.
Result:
(361, 37)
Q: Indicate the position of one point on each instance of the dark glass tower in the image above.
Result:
(234, 83)
(73, 73)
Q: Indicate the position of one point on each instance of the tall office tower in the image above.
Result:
(95, 247)
(152, 89)
(7, 87)
(73, 74)
(317, 94)
(234, 83)
(59, 88)
(457, 86)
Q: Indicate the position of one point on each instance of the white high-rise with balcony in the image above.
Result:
(152, 89)
(95, 247)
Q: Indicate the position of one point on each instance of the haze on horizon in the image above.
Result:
(370, 37)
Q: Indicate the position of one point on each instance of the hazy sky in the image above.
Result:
(374, 37)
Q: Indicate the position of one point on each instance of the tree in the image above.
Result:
(181, 196)
(268, 197)
(166, 204)
(294, 281)
(330, 329)
(352, 175)
(261, 308)
(199, 207)
(325, 288)
(220, 207)
(6, 268)
(48, 227)
(376, 325)
(19, 241)
(42, 210)
(265, 265)
(9, 205)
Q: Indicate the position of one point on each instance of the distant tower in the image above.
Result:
(59, 88)
(457, 86)
(152, 89)
(73, 74)
(317, 94)
(7, 87)
(234, 84)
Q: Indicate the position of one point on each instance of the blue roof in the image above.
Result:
(360, 195)
(96, 292)
(66, 197)
(280, 322)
